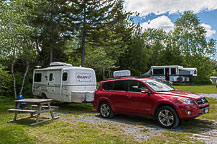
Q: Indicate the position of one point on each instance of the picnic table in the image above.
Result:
(35, 107)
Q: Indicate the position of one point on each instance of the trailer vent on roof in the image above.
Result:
(37, 67)
(59, 64)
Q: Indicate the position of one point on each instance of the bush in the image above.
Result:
(6, 83)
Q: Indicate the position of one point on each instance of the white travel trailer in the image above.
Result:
(65, 83)
(172, 73)
(213, 80)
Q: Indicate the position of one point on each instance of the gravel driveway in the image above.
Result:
(140, 129)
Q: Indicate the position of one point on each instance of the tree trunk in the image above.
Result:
(83, 39)
(83, 48)
(51, 29)
(14, 79)
(24, 77)
(51, 55)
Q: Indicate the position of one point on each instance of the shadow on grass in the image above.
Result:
(198, 125)
(74, 108)
(190, 126)
(134, 120)
(28, 121)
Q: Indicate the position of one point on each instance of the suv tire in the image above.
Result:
(105, 110)
(167, 117)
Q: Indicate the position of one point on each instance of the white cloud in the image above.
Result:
(145, 7)
(209, 31)
(162, 22)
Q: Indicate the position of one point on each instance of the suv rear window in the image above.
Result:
(107, 85)
(121, 85)
(124, 85)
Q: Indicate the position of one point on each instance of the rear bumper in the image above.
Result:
(192, 111)
(82, 97)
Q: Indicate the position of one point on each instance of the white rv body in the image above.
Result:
(213, 80)
(65, 83)
(172, 73)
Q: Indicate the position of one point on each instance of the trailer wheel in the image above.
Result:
(105, 110)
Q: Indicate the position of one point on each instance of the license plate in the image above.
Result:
(206, 110)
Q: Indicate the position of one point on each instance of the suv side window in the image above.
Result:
(136, 86)
(121, 85)
(107, 85)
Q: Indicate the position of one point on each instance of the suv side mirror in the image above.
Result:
(144, 90)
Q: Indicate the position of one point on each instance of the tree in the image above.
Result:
(53, 29)
(136, 55)
(191, 38)
(106, 54)
(155, 42)
(91, 16)
(16, 42)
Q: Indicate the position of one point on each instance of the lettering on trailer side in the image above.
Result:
(84, 77)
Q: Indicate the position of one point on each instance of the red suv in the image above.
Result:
(148, 97)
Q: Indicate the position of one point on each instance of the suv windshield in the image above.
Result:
(158, 85)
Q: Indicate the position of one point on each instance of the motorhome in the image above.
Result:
(171, 73)
(64, 82)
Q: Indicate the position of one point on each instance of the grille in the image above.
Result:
(201, 101)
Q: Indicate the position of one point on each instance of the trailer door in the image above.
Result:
(65, 93)
(50, 85)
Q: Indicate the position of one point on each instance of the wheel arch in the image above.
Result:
(164, 104)
(104, 100)
(43, 95)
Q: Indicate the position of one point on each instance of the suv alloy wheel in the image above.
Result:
(167, 117)
(105, 110)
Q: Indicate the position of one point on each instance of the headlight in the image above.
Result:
(185, 100)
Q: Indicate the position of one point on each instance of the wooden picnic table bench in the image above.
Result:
(35, 107)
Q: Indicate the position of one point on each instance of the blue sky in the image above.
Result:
(163, 13)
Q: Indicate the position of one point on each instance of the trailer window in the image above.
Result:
(64, 78)
(158, 71)
(173, 70)
(37, 77)
(51, 77)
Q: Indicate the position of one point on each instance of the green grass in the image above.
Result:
(11, 133)
(205, 89)
(66, 130)
(56, 131)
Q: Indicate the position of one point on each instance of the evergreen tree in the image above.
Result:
(92, 16)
